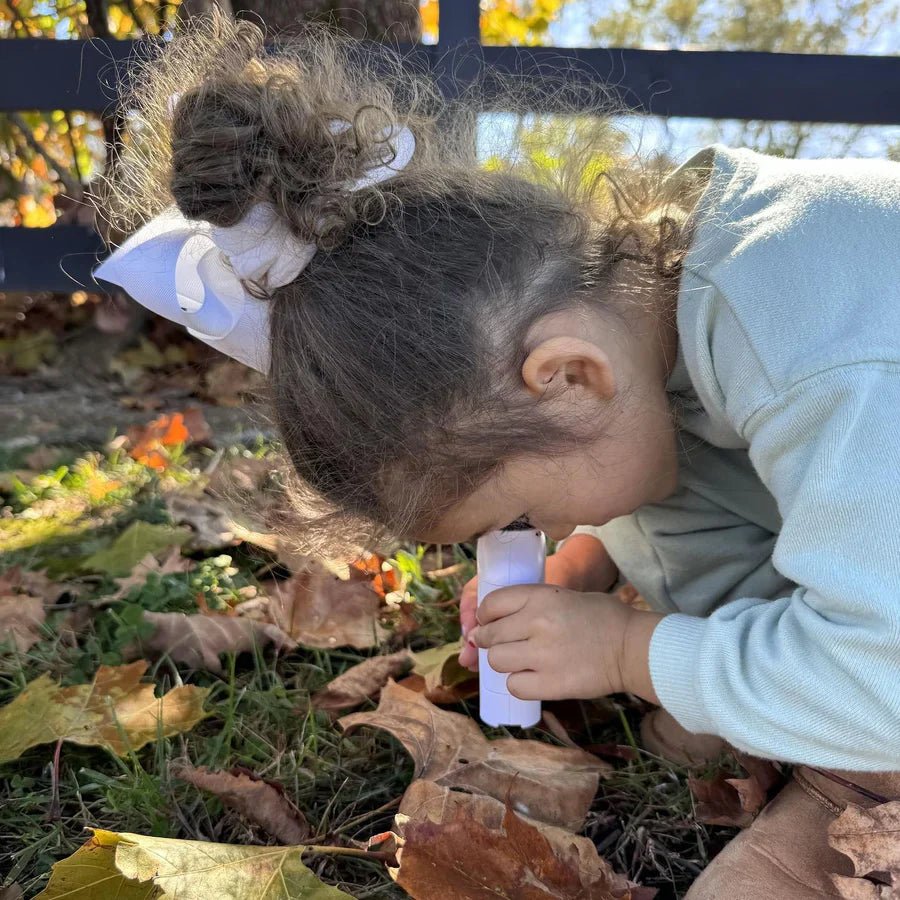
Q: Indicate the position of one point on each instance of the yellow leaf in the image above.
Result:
(115, 866)
(115, 711)
(90, 873)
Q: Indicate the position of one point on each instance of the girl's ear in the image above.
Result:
(561, 362)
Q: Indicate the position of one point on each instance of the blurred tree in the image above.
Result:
(776, 26)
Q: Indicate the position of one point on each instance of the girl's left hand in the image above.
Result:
(562, 644)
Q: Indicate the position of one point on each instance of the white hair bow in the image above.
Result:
(193, 272)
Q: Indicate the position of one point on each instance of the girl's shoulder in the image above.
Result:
(792, 269)
(743, 188)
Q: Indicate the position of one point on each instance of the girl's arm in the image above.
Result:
(812, 677)
(583, 563)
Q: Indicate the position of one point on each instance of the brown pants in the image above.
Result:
(786, 855)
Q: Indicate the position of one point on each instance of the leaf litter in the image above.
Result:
(532, 781)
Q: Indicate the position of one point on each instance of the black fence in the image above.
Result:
(83, 75)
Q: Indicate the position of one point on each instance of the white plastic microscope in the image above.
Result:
(512, 556)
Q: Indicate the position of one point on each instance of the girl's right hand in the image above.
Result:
(581, 564)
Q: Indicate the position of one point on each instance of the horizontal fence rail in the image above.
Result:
(718, 84)
(40, 74)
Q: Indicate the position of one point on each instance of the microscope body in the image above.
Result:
(508, 557)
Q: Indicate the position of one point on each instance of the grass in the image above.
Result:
(642, 819)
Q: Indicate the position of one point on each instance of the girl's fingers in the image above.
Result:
(503, 631)
(511, 657)
(468, 601)
(468, 657)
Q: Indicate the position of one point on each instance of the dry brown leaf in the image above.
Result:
(553, 784)
(228, 383)
(35, 584)
(441, 696)
(11, 892)
(197, 640)
(22, 597)
(206, 516)
(149, 565)
(362, 681)
(871, 839)
(40, 459)
(319, 610)
(731, 801)
(21, 618)
(464, 847)
(256, 800)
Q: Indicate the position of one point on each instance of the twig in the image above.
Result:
(361, 818)
(447, 572)
(383, 855)
(71, 138)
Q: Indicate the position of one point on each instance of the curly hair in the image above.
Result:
(395, 352)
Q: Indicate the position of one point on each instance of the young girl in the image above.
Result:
(700, 365)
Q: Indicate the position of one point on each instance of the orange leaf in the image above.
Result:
(383, 578)
(149, 442)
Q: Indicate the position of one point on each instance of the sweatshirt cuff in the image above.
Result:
(674, 656)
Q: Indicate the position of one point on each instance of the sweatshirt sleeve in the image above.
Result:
(813, 677)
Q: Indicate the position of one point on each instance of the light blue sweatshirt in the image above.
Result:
(779, 555)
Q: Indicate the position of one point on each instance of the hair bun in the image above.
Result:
(268, 135)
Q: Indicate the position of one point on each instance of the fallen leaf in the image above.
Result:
(11, 892)
(210, 523)
(465, 847)
(197, 640)
(373, 568)
(21, 618)
(133, 545)
(149, 443)
(319, 610)
(444, 679)
(362, 681)
(228, 383)
(35, 584)
(173, 564)
(717, 802)
(150, 868)
(869, 837)
(23, 595)
(41, 459)
(90, 873)
(553, 784)
(115, 711)
(735, 802)
(256, 800)
(762, 776)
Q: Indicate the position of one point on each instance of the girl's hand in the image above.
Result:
(562, 644)
(581, 564)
